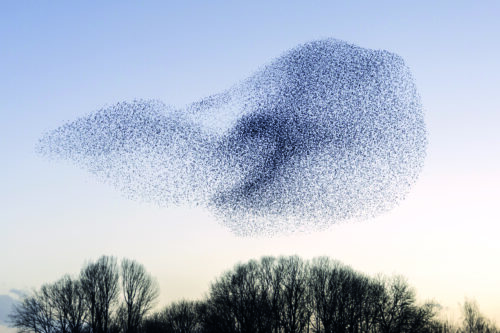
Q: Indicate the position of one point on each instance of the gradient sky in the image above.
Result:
(60, 60)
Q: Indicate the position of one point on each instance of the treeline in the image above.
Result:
(290, 295)
(105, 298)
(272, 295)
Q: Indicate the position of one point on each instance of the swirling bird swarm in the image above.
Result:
(327, 132)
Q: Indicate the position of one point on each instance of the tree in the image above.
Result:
(140, 292)
(67, 301)
(100, 287)
(245, 299)
(295, 313)
(182, 317)
(342, 299)
(271, 281)
(34, 314)
(57, 307)
(238, 302)
(398, 311)
(155, 323)
(474, 321)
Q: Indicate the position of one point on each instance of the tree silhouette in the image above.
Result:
(67, 301)
(342, 299)
(397, 308)
(100, 289)
(34, 314)
(272, 295)
(294, 304)
(140, 291)
(182, 317)
(474, 321)
(239, 302)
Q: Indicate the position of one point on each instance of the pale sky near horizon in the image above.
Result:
(61, 60)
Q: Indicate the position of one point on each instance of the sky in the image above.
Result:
(62, 60)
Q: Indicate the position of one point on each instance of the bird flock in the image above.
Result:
(326, 132)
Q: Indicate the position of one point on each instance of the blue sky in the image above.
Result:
(61, 60)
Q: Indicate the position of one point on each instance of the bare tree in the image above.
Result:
(100, 288)
(394, 304)
(140, 292)
(155, 323)
(67, 301)
(340, 298)
(398, 311)
(34, 314)
(271, 280)
(235, 300)
(246, 299)
(474, 321)
(295, 313)
(182, 317)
